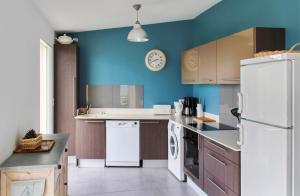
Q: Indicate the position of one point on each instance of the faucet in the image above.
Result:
(88, 106)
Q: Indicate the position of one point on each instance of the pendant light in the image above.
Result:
(137, 34)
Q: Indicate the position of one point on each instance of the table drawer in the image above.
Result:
(234, 156)
(213, 188)
(222, 170)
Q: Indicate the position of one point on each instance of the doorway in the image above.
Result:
(46, 88)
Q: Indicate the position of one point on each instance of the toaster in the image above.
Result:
(162, 109)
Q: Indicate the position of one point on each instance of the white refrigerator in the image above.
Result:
(269, 133)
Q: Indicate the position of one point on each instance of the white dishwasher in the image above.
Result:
(122, 143)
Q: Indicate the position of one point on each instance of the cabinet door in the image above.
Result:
(90, 139)
(224, 172)
(65, 173)
(65, 91)
(230, 50)
(9, 177)
(154, 139)
(214, 188)
(229, 154)
(207, 69)
(189, 66)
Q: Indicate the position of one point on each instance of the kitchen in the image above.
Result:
(117, 128)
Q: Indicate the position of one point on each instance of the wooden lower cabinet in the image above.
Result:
(56, 179)
(213, 188)
(219, 169)
(223, 171)
(154, 139)
(90, 139)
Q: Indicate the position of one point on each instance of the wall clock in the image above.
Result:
(155, 60)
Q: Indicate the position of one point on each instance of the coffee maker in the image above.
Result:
(190, 106)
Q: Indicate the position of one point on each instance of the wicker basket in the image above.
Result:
(32, 143)
(267, 53)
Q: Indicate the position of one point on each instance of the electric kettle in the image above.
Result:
(178, 108)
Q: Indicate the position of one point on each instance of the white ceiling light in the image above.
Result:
(137, 34)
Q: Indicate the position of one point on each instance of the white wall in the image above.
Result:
(21, 28)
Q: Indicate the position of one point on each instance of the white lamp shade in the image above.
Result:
(137, 34)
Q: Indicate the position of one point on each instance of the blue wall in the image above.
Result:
(231, 16)
(106, 57)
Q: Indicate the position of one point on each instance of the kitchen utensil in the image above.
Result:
(178, 108)
(46, 146)
(64, 39)
(189, 106)
(235, 113)
(199, 110)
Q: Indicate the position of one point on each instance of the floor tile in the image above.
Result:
(125, 182)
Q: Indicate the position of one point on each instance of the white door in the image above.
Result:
(266, 93)
(265, 160)
(46, 88)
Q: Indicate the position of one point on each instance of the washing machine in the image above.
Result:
(175, 150)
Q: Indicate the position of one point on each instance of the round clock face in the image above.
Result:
(155, 60)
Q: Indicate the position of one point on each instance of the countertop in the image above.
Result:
(122, 117)
(226, 138)
(38, 160)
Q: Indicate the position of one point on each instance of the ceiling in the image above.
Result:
(85, 15)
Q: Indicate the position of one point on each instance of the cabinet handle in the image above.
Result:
(94, 121)
(240, 103)
(66, 150)
(231, 79)
(217, 146)
(150, 122)
(215, 158)
(216, 185)
(59, 166)
(241, 134)
(189, 80)
(66, 184)
(74, 95)
(209, 80)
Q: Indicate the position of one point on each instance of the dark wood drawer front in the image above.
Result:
(222, 150)
(222, 170)
(90, 139)
(213, 188)
(153, 139)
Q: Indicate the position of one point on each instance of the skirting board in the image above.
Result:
(195, 187)
(155, 163)
(91, 163)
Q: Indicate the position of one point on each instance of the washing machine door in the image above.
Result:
(173, 145)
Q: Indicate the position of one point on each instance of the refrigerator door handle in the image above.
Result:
(240, 103)
(241, 134)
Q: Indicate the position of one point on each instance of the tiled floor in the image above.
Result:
(125, 182)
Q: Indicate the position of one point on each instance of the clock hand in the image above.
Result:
(154, 60)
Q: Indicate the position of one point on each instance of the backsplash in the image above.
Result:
(228, 101)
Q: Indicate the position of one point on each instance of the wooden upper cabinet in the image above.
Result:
(218, 62)
(231, 50)
(189, 66)
(207, 63)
